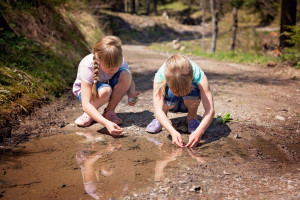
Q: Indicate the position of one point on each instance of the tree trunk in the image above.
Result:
(155, 7)
(133, 10)
(288, 17)
(148, 6)
(234, 27)
(214, 27)
(136, 6)
(126, 6)
(203, 5)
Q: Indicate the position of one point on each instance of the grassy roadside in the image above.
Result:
(194, 48)
(249, 42)
(38, 56)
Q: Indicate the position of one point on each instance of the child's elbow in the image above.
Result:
(84, 107)
(213, 112)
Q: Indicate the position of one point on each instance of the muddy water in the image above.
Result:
(83, 165)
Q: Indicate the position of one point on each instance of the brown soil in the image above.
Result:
(256, 156)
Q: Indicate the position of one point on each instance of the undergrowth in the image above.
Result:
(35, 70)
(30, 72)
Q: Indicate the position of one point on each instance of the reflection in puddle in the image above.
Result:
(119, 167)
(88, 170)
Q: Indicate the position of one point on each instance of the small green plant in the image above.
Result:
(223, 120)
(293, 53)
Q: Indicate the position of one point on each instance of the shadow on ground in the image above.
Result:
(213, 133)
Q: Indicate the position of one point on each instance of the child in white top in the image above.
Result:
(102, 77)
(179, 85)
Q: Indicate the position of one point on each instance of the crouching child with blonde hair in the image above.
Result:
(178, 86)
(104, 76)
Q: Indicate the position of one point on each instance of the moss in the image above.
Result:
(35, 68)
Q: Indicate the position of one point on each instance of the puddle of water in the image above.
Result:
(85, 165)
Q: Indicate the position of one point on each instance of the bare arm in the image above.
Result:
(207, 101)
(163, 119)
(89, 108)
(132, 94)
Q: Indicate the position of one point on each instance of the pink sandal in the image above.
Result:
(112, 116)
(84, 120)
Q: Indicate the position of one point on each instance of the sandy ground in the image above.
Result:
(256, 156)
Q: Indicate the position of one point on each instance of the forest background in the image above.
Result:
(42, 41)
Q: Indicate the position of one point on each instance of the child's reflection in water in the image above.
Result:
(161, 164)
(167, 157)
(86, 159)
(87, 165)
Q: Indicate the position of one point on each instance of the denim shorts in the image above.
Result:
(111, 83)
(178, 102)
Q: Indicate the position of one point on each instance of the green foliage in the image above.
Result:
(223, 120)
(237, 56)
(30, 72)
(293, 53)
(236, 3)
(174, 6)
(29, 4)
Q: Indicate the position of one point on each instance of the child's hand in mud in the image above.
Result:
(177, 139)
(133, 98)
(114, 129)
(194, 139)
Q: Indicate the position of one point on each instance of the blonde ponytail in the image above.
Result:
(96, 77)
(108, 52)
(161, 89)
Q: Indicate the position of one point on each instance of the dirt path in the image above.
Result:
(257, 156)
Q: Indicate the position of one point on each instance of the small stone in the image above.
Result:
(280, 118)
(289, 187)
(237, 136)
(182, 48)
(226, 173)
(196, 189)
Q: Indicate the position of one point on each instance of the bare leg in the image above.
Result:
(97, 102)
(192, 106)
(119, 90)
(102, 97)
(167, 108)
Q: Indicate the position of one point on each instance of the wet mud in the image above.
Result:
(255, 156)
(82, 164)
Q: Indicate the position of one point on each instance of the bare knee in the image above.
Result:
(192, 104)
(104, 93)
(167, 108)
(125, 77)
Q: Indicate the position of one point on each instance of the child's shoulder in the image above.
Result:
(87, 58)
(195, 65)
(87, 62)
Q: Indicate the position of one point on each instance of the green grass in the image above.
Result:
(174, 6)
(249, 45)
(30, 72)
(230, 56)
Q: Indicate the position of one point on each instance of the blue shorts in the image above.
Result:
(111, 83)
(171, 99)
